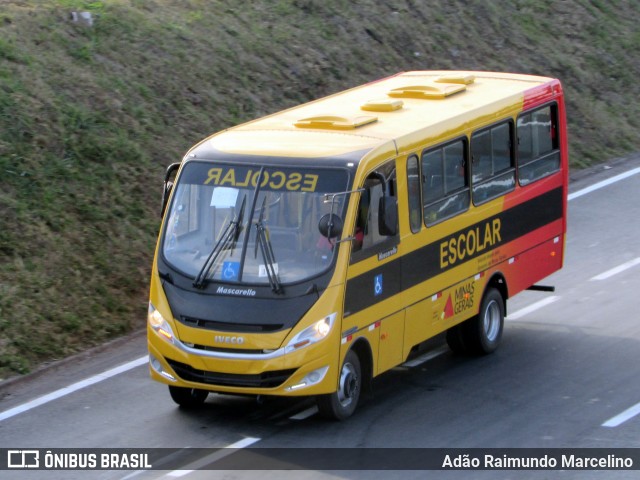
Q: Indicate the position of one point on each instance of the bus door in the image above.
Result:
(372, 301)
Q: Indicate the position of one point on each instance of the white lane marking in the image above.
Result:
(72, 388)
(628, 414)
(166, 458)
(304, 414)
(134, 474)
(533, 307)
(604, 183)
(618, 269)
(426, 357)
(214, 457)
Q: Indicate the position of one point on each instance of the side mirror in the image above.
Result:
(330, 225)
(168, 185)
(388, 216)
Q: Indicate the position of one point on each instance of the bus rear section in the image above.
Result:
(305, 253)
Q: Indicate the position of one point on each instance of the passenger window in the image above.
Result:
(538, 146)
(445, 183)
(492, 165)
(413, 185)
(377, 218)
(432, 167)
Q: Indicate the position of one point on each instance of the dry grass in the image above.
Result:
(89, 118)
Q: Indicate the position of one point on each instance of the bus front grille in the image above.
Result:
(270, 379)
(235, 327)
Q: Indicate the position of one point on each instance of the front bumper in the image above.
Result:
(309, 371)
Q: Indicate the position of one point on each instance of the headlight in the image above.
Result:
(159, 324)
(312, 334)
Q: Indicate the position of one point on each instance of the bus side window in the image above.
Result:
(445, 182)
(538, 145)
(377, 217)
(415, 203)
(492, 165)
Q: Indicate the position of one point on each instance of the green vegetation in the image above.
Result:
(90, 117)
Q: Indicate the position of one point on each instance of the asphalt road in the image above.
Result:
(566, 375)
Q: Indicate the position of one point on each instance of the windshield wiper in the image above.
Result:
(229, 237)
(262, 239)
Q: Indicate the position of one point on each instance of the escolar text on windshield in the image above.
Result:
(274, 180)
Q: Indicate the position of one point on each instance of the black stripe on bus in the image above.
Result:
(424, 263)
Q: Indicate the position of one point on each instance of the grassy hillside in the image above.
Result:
(90, 116)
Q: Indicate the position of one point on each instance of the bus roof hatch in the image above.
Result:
(434, 91)
(332, 122)
(382, 105)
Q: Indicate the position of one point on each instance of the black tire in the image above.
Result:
(341, 404)
(483, 332)
(188, 397)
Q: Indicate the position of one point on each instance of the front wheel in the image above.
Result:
(188, 397)
(482, 333)
(342, 403)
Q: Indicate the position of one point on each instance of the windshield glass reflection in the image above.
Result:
(244, 224)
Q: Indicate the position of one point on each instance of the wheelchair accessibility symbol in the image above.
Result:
(230, 270)
(377, 285)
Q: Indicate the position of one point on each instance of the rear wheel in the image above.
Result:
(483, 332)
(342, 403)
(188, 397)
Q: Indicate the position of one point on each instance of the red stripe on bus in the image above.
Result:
(543, 93)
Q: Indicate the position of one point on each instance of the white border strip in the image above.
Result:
(604, 183)
(73, 388)
(533, 307)
(617, 270)
(628, 414)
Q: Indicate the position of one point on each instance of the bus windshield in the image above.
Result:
(245, 224)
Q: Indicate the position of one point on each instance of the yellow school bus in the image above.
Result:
(307, 252)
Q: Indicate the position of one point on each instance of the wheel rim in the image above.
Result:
(491, 321)
(349, 386)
